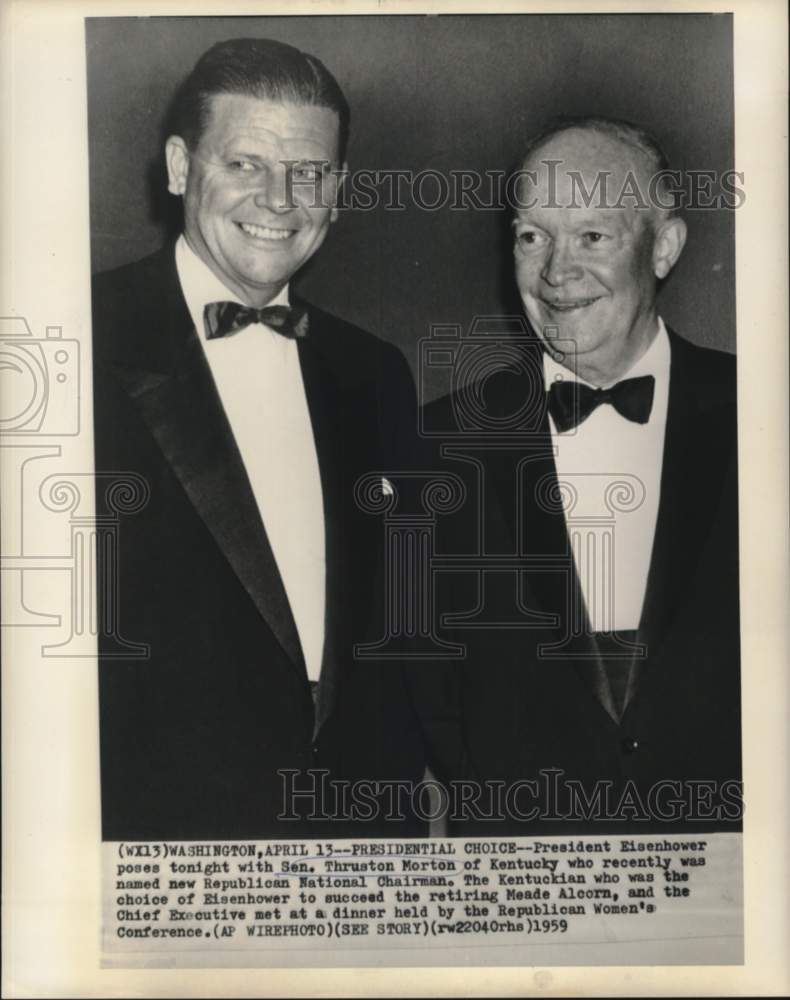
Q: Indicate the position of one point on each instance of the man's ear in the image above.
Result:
(668, 245)
(177, 157)
(341, 179)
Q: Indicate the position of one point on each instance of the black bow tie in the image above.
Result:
(221, 319)
(572, 402)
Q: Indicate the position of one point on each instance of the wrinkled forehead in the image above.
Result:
(274, 128)
(584, 165)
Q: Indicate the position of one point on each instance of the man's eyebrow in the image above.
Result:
(242, 147)
(593, 221)
(313, 161)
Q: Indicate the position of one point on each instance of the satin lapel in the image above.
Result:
(184, 413)
(340, 413)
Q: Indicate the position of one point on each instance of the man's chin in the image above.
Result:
(568, 340)
(549, 329)
(263, 281)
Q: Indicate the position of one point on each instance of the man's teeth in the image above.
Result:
(569, 305)
(265, 233)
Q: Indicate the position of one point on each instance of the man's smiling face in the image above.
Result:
(588, 272)
(250, 217)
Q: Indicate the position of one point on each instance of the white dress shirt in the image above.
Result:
(259, 381)
(602, 449)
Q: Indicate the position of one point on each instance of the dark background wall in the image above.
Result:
(443, 93)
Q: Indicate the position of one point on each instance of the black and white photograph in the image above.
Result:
(592, 563)
(395, 491)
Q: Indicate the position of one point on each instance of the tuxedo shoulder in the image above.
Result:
(504, 393)
(708, 369)
(441, 410)
(134, 278)
(347, 332)
(129, 303)
(363, 352)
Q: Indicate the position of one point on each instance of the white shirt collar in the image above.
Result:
(200, 285)
(655, 361)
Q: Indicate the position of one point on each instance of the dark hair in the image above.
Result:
(257, 67)
(616, 128)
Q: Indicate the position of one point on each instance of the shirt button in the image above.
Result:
(630, 745)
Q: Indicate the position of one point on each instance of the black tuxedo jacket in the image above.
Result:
(193, 735)
(527, 704)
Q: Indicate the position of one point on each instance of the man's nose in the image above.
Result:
(561, 265)
(274, 190)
